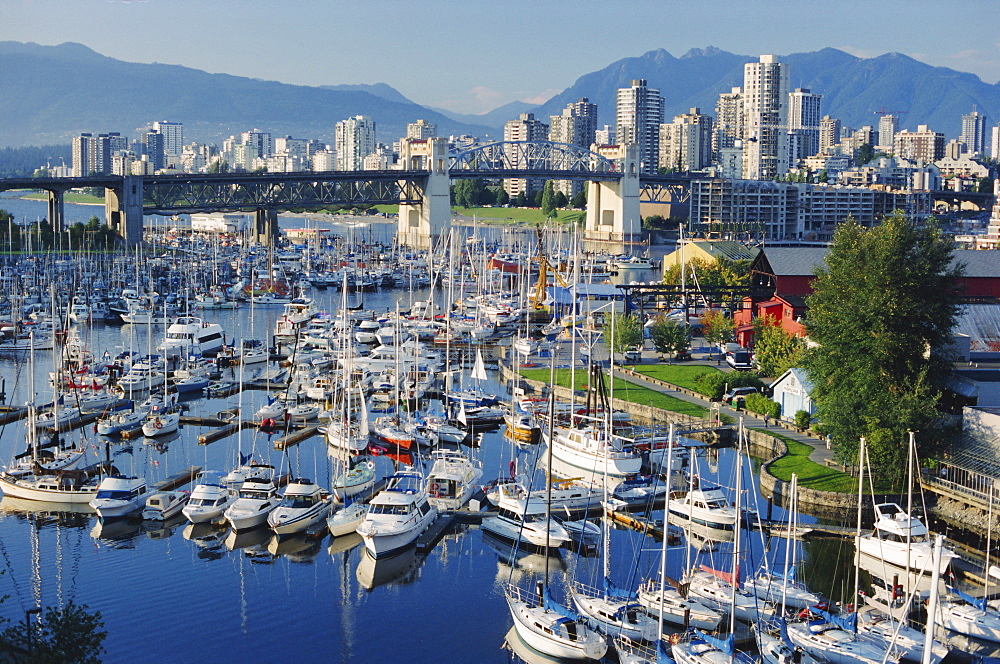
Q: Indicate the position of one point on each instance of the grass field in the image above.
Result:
(69, 197)
(811, 474)
(623, 390)
(676, 374)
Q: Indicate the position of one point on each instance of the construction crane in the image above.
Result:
(882, 111)
(538, 297)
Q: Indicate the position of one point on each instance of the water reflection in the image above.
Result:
(298, 548)
(158, 530)
(339, 545)
(400, 568)
(521, 652)
(248, 538)
(120, 533)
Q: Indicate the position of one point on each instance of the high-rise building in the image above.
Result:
(995, 142)
(605, 135)
(829, 133)
(920, 144)
(421, 130)
(864, 136)
(638, 116)
(765, 112)
(888, 125)
(974, 133)
(260, 143)
(728, 121)
(577, 125)
(803, 122)
(81, 155)
(525, 128)
(152, 146)
(686, 143)
(354, 140)
(173, 137)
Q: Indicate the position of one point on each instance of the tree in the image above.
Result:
(622, 332)
(67, 635)
(502, 198)
(881, 315)
(560, 200)
(865, 153)
(536, 200)
(669, 335)
(520, 200)
(717, 328)
(579, 200)
(774, 350)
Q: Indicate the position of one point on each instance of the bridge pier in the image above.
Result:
(57, 210)
(123, 209)
(421, 224)
(265, 226)
(613, 220)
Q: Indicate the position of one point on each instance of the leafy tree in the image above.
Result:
(823, 176)
(669, 335)
(714, 384)
(622, 332)
(775, 351)
(520, 200)
(536, 200)
(865, 153)
(502, 197)
(717, 328)
(560, 200)
(881, 313)
(67, 635)
(758, 403)
(219, 166)
(579, 199)
(722, 272)
(985, 185)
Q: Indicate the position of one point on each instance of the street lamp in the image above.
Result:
(27, 623)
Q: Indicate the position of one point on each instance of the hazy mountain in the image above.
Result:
(853, 88)
(495, 118)
(52, 93)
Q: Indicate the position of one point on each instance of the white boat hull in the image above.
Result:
(26, 490)
(383, 543)
(284, 522)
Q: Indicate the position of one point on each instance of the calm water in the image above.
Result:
(177, 593)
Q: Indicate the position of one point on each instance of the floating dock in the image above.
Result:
(178, 479)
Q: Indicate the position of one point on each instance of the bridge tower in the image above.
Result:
(57, 210)
(613, 219)
(422, 223)
(265, 226)
(123, 209)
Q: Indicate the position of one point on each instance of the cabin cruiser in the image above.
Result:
(902, 540)
(397, 515)
(162, 505)
(119, 496)
(523, 521)
(302, 506)
(452, 479)
(706, 507)
(191, 335)
(257, 499)
(209, 499)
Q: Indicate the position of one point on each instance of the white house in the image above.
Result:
(791, 390)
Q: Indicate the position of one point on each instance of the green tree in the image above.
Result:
(669, 335)
(520, 200)
(722, 272)
(579, 199)
(717, 328)
(219, 166)
(622, 332)
(502, 198)
(774, 350)
(560, 200)
(536, 200)
(881, 315)
(865, 153)
(985, 185)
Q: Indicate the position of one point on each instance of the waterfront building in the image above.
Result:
(765, 116)
(638, 116)
(354, 139)
(525, 128)
(920, 144)
(803, 123)
(421, 129)
(686, 143)
(974, 133)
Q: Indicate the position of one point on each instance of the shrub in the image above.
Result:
(758, 403)
(802, 419)
(714, 384)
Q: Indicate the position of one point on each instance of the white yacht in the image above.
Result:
(209, 499)
(550, 628)
(592, 450)
(452, 479)
(346, 520)
(302, 506)
(902, 540)
(258, 497)
(677, 610)
(707, 506)
(523, 521)
(190, 335)
(832, 639)
(119, 496)
(397, 515)
(162, 505)
(614, 613)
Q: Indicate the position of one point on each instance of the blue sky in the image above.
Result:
(473, 55)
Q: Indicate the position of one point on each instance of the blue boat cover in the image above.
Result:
(726, 645)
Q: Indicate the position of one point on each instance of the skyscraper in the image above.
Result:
(525, 128)
(421, 129)
(81, 155)
(803, 121)
(728, 121)
(765, 109)
(173, 137)
(152, 146)
(888, 125)
(577, 125)
(638, 115)
(354, 140)
(974, 132)
(686, 143)
(829, 133)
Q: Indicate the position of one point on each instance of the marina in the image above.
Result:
(253, 585)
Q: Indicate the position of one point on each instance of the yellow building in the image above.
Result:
(709, 251)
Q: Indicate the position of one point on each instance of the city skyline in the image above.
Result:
(423, 49)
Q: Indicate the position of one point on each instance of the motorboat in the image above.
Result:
(189, 335)
(120, 422)
(209, 499)
(302, 506)
(274, 410)
(707, 506)
(119, 496)
(452, 479)
(257, 499)
(551, 628)
(160, 422)
(163, 505)
(524, 522)
(397, 515)
(902, 540)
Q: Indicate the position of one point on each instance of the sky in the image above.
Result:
(470, 56)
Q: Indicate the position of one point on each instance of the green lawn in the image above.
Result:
(69, 197)
(681, 375)
(517, 216)
(625, 390)
(811, 474)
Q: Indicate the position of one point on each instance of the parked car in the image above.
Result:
(741, 360)
(739, 392)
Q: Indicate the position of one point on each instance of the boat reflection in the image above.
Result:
(121, 532)
(343, 543)
(516, 562)
(247, 538)
(297, 548)
(886, 575)
(207, 538)
(163, 529)
(44, 513)
(400, 568)
(702, 538)
(522, 653)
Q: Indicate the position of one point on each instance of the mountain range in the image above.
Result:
(52, 93)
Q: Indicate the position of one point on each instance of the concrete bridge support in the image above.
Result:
(421, 224)
(613, 220)
(265, 226)
(57, 211)
(123, 209)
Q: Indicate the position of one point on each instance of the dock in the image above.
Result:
(295, 437)
(178, 479)
(430, 537)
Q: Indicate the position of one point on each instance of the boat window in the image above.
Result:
(298, 502)
(107, 494)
